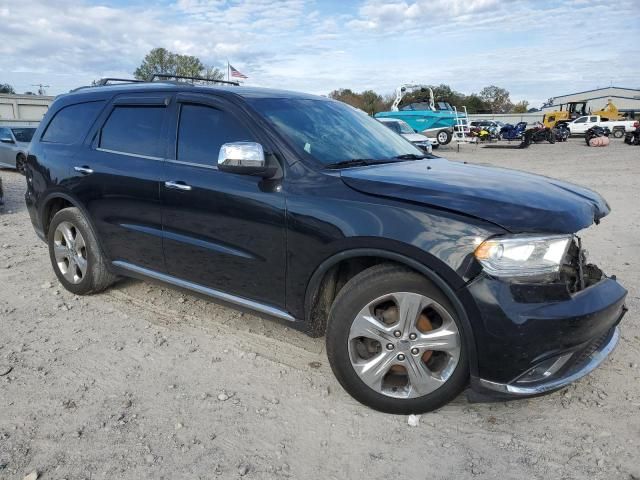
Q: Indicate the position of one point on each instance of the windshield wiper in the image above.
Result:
(410, 156)
(356, 162)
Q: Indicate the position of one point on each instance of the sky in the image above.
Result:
(534, 49)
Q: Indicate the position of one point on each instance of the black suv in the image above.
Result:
(425, 275)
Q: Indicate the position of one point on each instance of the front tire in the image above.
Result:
(394, 342)
(75, 254)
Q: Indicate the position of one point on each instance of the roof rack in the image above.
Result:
(157, 77)
(168, 76)
(107, 81)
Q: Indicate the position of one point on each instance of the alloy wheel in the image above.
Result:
(70, 252)
(404, 345)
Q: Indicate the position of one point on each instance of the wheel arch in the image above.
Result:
(56, 201)
(317, 299)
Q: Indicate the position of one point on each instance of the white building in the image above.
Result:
(23, 109)
(624, 98)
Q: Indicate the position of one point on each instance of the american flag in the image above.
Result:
(236, 73)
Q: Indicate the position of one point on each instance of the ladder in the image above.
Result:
(461, 124)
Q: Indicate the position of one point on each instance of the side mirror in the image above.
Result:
(244, 158)
(7, 140)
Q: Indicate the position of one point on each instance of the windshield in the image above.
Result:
(405, 128)
(23, 134)
(395, 126)
(330, 132)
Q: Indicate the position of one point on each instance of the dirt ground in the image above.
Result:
(147, 382)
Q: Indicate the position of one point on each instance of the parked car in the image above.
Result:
(617, 127)
(425, 275)
(14, 144)
(402, 128)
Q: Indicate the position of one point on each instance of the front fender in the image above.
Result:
(433, 269)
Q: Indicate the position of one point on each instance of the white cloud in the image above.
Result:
(534, 48)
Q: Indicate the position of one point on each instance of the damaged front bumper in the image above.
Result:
(539, 337)
(561, 371)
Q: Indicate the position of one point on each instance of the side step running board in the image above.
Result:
(135, 270)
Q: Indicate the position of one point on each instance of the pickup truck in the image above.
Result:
(617, 127)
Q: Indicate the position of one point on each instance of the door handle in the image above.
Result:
(178, 186)
(83, 170)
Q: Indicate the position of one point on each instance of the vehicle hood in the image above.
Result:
(517, 201)
(415, 137)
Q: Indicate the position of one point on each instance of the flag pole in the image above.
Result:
(228, 70)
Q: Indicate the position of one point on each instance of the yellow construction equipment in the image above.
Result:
(572, 110)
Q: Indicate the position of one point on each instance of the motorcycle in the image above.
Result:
(597, 136)
(632, 138)
(484, 134)
(513, 132)
(539, 133)
(561, 132)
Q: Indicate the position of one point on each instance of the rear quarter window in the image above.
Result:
(134, 129)
(70, 123)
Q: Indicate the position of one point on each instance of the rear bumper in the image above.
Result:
(578, 364)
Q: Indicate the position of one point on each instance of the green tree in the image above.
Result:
(497, 99)
(367, 101)
(6, 88)
(521, 107)
(161, 60)
(158, 60)
(475, 104)
(372, 102)
(212, 73)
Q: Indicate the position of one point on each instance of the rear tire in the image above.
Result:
(618, 133)
(75, 254)
(21, 161)
(444, 137)
(408, 375)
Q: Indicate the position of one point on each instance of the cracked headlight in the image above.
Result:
(523, 256)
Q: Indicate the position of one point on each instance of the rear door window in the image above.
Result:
(70, 123)
(135, 130)
(203, 130)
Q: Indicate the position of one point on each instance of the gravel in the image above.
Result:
(87, 392)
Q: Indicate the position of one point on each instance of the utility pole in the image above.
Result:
(41, 88)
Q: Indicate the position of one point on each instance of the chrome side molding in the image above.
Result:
(210, 292)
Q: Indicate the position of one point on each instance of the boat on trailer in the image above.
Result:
(434, 119)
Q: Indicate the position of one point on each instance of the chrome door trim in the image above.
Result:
(137, 155)
(210, 292)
